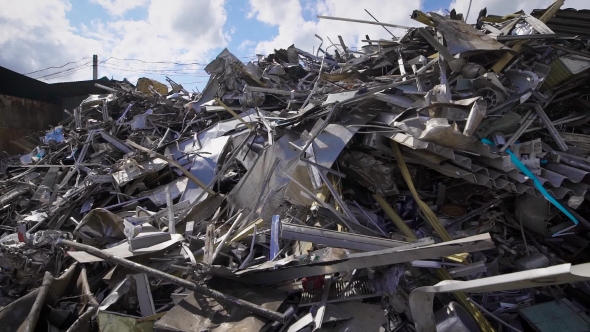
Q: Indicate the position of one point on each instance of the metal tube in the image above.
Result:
(527, 123)
(362, 21)
(175, 164)
(369, 217)
(496, 318)
(234, 114)
(337, 239)
(376, 20)
(550, 128)
(225, 237)
(223, 298)
(477, 211)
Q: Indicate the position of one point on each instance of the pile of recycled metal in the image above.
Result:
(433, 182)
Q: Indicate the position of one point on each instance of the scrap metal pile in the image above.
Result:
(336, 191)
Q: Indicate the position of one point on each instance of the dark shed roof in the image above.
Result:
(19, 85)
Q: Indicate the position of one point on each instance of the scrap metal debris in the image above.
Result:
(433, 182)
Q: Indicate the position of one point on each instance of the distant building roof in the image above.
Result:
(19, 85)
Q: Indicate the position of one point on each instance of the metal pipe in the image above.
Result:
(496, 318)
(105, 87)
(376, 20)
(223, 298)
(477, 211)
(369, 217)
(362, 21)
(550, 128)
(225, 237)
(173, 162)
(519, 131)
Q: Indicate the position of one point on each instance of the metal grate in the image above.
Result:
(360, 288)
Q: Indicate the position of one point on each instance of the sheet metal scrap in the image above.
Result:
(300, 184)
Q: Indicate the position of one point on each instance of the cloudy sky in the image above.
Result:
(152, 38)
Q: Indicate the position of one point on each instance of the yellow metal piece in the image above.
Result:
(507, 57)
(500, 19)
(558, 73)
(458, 258)
(422, 18)
(481, 321)
(338, 186)
(143, 85)
(442, 274)
(303, 247)
(234, 114)
(247, 231)
(429, 215)
(323, 195)
(390, 212)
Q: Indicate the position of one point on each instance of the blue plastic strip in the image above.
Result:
(522, 167)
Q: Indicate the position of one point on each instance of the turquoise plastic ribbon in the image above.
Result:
(522, 167)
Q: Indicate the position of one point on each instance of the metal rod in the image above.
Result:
(338, 199)
(376, 20)
(234, 114)
(323, 168)
(527, 123)
(226, 236)
(223, 298)
(496, 318)
(369, 217)
(173, 162)
(362, 21)
(105, 87)
(468, 10)
(550, 128)
(477, 211)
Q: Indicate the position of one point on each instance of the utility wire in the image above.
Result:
(157, 69)
(36, 71)
(64, 71)
(164, 62)
(168, 73)
(174, 63)
(66, 74)
(191, 62)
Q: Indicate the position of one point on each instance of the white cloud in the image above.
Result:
(119, 7)
(246, 45)
(287, 16)
(179, 31)
(36, 34)
(504, 7)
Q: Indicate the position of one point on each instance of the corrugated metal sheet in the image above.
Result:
(568, 21)
(70, 103)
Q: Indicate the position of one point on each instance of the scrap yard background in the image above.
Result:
(295, 166)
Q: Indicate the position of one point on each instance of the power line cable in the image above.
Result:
(168, 73)
(187, 63)
(157, 69)
(194, 63)
(36, 71)
(67, 74)
(65, 71)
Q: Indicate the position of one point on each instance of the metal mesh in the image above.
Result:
(274, 204)
(359, 288)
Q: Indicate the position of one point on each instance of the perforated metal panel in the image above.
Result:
(360, 288)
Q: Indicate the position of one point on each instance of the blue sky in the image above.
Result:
(192, 32)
